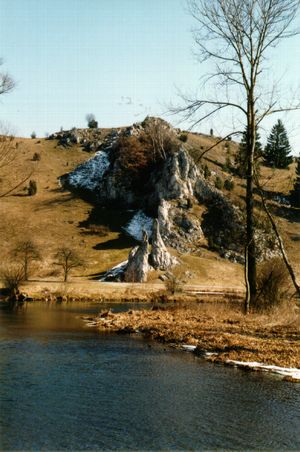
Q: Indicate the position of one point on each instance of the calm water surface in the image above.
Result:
(64, 386)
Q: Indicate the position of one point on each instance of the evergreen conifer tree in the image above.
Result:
(241, 157)
(277, 150)
(295, 195)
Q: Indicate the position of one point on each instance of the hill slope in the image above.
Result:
(55, 217)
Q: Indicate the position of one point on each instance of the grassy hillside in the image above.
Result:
(55, 217)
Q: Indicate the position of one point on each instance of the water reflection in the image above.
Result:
(66, 387)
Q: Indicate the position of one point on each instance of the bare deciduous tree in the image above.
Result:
(237, 35)
(7, 83)
(159, 136)
(8, 150)
(26, 251)
(67, 259)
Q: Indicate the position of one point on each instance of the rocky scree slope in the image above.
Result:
(146, 168)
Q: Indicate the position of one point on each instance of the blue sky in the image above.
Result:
(119, 59)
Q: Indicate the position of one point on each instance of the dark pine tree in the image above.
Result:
(241, 157)
(277, 150)
(295, 195)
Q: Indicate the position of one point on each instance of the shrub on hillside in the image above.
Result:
(206, 171)
(91, 120)
(33, 135)
(36, 157)
(32, 188)
(229, 185)
(183, 137)
(218, 183)
(133, 160)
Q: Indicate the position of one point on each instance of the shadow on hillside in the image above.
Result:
(20, 195)
(56, 201)
(113, 219)
(120, 243)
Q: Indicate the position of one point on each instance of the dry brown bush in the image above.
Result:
(12, 276)
(273, 284)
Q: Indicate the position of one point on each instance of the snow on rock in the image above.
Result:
(139, 223)
(88, 174)
(115, 272)
(291, 372)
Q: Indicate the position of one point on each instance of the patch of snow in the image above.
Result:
(88, 174)
(114, 272)
(189, 348)
(137, 224)
(292, 372)
(282, 200)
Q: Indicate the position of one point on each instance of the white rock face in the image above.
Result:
(138, 265)
(89, 174)
(160, 258)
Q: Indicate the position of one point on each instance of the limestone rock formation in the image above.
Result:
(180, 228)
(160, 258)
(138, 265)
(177, 178)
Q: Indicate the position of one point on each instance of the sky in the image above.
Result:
(118, 59)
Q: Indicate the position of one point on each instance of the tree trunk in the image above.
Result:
(26, 268)
(250, 229)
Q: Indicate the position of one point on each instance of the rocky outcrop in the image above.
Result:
(90, 139)
(176, 179)
(168, 188)
(173, 176)
(159, 257)
(138, 265)
(180, 228)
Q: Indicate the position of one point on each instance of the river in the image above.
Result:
(64, 386)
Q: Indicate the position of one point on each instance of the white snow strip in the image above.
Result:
(189, 348)
(292, 372)
(137, 224)
(114, 271)
(88, 174)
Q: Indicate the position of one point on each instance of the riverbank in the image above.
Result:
(221, 333)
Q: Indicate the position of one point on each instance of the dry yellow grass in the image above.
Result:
(218, 328)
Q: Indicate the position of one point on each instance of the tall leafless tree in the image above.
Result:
(8, 150)
(237, 36)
